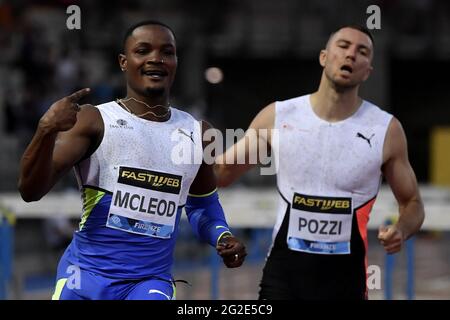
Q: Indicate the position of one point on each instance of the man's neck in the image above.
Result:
(155, 108)
(333, 105)
(156, 98)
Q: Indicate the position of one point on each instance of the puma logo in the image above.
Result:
(187, 135)
(360, 135)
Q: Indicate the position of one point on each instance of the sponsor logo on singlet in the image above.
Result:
(360, 135)
(322, 204)
(121, 124)
(147, 179)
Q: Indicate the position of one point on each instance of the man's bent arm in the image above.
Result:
(62, 138)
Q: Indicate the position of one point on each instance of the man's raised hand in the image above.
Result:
(62, 115)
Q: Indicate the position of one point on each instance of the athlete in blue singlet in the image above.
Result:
(133, 185)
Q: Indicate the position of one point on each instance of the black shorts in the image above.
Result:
(304, 276)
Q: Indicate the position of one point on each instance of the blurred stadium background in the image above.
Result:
(266, 50)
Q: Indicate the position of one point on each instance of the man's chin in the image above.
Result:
(344, 85)
(155, 91)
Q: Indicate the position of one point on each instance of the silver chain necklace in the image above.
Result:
(122, 103)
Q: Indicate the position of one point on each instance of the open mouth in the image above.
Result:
(154, 74)
(347, 68)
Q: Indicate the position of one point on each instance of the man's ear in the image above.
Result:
(122, 61)
(323, 57)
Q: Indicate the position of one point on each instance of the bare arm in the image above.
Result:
(402, 180)
(227, 166)
(64, 136)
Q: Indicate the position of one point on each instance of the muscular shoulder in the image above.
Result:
(90, 120)
(88, 128)
(395, 142)
(265, 118)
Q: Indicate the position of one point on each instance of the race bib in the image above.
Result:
(145, 202)
(320, 225)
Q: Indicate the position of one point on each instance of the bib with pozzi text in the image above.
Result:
(320, 225)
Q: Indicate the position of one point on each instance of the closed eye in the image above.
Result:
(343, 44)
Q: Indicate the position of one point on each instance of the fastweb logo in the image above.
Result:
(149, 179)
(321, 204)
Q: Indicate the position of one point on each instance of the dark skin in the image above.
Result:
(149, 62)
(67, 134)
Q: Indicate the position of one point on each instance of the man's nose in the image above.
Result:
(351, 54)
(155, 58)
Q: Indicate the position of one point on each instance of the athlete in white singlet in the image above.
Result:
(331, 149)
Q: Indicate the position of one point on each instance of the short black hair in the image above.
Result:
(144, 23)
(358, 27)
